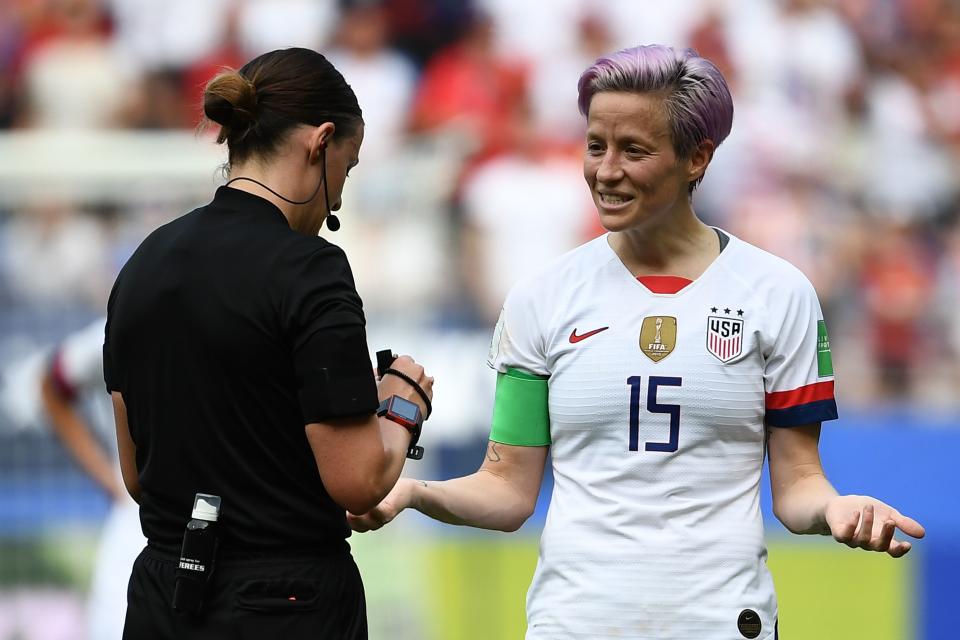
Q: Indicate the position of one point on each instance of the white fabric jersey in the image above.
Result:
(77, 367)
(658, 404)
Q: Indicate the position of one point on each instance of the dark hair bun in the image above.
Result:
(230, 100)
(259, 105)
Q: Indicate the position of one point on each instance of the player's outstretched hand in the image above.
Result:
(867, 523)
(396, 501)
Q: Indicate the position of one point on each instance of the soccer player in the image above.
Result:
(75, 373)
(658, 364)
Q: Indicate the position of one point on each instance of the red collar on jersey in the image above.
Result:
(664, 284)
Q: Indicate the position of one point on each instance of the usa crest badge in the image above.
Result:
(724, 337)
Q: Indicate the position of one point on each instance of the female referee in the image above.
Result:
(657, 364)
(237, 360)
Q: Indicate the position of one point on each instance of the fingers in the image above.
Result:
(899, 548)
(415, 371)
(872, 526)
(908, 525)
(360, 524)
(409, 366)
(874, 535)
(845, 530)
(370, 521)
(885, 539)
(427, 385)
(864, 534)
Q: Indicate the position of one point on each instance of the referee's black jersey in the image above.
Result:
(227, 332)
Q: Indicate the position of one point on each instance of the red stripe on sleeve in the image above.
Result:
(802, 395)
(58, 377)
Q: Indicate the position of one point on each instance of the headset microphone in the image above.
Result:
(333, 222)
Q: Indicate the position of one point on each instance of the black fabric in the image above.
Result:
(724, 239)
(227, 332)
(286, 597)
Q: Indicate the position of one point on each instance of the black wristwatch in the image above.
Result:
(407, 414)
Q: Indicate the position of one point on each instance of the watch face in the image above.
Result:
(405, 409)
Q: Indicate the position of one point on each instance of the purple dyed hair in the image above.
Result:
(696, 96)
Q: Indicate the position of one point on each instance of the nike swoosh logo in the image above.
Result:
(574, 338)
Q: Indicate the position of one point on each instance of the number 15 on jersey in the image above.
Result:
(673, 410)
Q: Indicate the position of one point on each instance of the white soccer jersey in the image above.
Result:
(658, 405)
(77, 368)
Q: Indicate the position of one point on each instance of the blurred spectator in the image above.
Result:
(528, 31)
(72, 76)
(228, 54)
(948, 284)
(469, 91)
(266, 25)
(898, 287)
(56, 256)
(11, 42)
(522, 209)
(632, 23)
(164, 34)
(157, 101)
(909, 174)
(553, 82)
(383, 79)
(421, 28)
(799, 219)
(796, 60)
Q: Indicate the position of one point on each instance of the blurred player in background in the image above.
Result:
(75, 374)
(658, 365)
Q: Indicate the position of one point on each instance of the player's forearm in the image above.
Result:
(482, 500)
(76, 436)
(801, 505)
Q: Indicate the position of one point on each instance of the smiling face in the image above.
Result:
(634, 174)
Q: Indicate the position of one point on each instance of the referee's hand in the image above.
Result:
(395, 385)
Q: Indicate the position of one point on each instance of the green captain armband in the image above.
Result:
(520, 414)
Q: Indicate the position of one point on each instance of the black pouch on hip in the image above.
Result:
(197, 554)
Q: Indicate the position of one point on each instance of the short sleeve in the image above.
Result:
(798, 373)
(110, 376)
(518, 340)
(324, 317)
(77, 363)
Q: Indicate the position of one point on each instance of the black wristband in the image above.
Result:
(412, 383)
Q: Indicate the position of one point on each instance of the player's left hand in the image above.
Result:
(867, 523)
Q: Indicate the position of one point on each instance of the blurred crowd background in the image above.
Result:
(843, 159)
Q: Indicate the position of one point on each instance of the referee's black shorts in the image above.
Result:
(251, 597)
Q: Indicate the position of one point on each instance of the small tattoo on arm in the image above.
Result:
(492, 454)
(422, 482)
